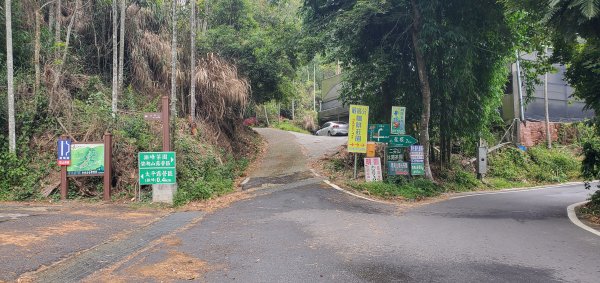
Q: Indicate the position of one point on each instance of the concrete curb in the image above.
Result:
(353, 194)
(576, 221)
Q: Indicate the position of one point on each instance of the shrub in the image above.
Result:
(399, 187)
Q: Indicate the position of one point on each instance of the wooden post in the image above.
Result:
(166, 124)
(64, 182)
(107, 166)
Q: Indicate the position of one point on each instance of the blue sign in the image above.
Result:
(64, 152)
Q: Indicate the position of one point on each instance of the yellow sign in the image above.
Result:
(358, 126)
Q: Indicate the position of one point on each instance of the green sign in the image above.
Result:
(395, 153)
(403, 141)
(398, 120)
(379, 132)
(397, 168)
(86, 159)
(157, 168)
(417, 168)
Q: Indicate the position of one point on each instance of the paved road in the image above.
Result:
(298, 229)
(309, 232)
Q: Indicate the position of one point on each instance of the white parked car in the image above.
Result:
(333, 128)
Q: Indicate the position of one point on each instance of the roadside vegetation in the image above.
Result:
(508, 168)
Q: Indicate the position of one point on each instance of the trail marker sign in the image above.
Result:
(417, 168)
(157, 168)
(402, 141)
(379, 132)
(416, 153)
(64, 152)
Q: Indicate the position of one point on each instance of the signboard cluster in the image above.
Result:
(396, 140)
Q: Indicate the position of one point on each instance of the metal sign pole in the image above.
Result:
(355, 165)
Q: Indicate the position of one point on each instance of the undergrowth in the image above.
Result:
(413, 189)
(286, 125)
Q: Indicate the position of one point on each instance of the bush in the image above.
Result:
(537, 165)
(18, 181)
(286, 125)
(400, 187)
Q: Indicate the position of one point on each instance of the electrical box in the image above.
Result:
(482, 160)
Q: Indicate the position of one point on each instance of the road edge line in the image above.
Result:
(353, 194)
(524, 189)
(573, 217)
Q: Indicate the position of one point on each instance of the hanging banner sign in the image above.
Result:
(398, 125)
(397, 168)
(357, 132)
(373, 169)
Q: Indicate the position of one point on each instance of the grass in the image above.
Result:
(414, 189)
(286, 125)
(509, 168)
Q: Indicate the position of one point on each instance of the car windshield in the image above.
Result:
(340, 122)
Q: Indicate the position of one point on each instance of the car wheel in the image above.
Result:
(329, 133)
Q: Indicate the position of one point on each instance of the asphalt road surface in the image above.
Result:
(309, 232)
(299, 229)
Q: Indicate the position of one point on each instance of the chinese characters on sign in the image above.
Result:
(394, 153)
(379, 132)
(157, 168)
(86, 159)
(373, 169)
(416, 153)
(402, 141)
(357, 132)
(64, 152)
(397, 168)
(417, 168)
(398, 120)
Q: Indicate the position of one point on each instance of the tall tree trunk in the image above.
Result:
(58, 72)
(12, 144)
(174, 61)
(425, 89)
(206, 15)
(57, 19)
(36, 49)
(115, 51)
(193, 60)
(51, 17)
(121, 48)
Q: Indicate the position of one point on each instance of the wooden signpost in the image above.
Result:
(85, 160)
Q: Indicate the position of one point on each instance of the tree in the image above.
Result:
(174, 61)
(193, 60)
(121, 48)
(12, 145)
(115, 62)
(445, 60)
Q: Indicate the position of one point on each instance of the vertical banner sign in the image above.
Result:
(398, 126)
(373, 169)
(64, 152)
(357, 132)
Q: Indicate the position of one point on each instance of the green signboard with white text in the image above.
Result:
(157, 168)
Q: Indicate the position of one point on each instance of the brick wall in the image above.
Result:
(534, 133)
